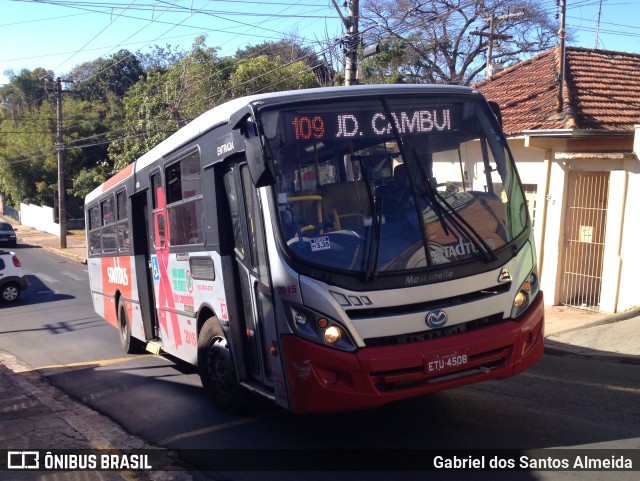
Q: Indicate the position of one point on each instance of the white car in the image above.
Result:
(12, 277)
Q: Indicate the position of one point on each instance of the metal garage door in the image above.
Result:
(585, 229)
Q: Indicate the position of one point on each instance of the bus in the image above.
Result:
(329, 249)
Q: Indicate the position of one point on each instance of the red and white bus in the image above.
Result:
(328, 249)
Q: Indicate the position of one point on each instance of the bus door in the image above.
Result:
(143, 266)
(253, 284)
(167, 318)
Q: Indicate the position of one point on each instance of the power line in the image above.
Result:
(192, 12)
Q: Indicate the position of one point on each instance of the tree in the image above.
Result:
(166, 99)
(115, 74)
(25, 90)
(262, 74)
(28, 160)
(386, 67)
(289, 51)
(160, 58)
(446, 41)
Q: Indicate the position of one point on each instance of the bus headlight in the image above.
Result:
(317, 328)
(300, 318)
(526, 293)
(332, 334)
(520, 299)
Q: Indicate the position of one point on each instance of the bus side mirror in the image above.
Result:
(495, 108)
(260, 167)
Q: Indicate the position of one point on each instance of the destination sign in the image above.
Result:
(367, 124)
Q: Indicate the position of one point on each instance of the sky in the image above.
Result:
(57, 35)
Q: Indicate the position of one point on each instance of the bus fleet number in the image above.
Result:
(190, 337)
(283, 290)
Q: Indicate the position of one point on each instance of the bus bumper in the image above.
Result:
(322, 379)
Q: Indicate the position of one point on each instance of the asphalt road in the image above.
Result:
(560, 403)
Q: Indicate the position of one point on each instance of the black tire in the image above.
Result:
(130, 344)
(10, 292)
(217, 369)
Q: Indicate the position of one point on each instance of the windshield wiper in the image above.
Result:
(414, 193)
(442, 207)
(375, 202)
(437, 202)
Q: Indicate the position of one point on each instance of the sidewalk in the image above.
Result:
(36, 415)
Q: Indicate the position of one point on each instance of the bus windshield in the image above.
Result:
(376, 186)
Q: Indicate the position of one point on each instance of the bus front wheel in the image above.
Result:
(217, 370)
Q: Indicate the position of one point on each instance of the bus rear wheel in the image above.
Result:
(217, 369)
(130, 344)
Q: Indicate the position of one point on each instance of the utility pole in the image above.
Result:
(491, 35)
(562, 47)
(62, 212)
(351, 25)
(598, 24)
(351, 65)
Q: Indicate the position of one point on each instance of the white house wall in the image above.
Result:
(532, 170)
(630, 248)
(622, 254)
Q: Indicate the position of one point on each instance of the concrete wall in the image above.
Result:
(629, 253)
(40, 218)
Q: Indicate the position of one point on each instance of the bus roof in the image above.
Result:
(221, 114)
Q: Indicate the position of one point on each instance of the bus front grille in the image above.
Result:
(431, 334)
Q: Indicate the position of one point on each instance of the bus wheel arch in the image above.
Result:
(130, 344)
(217, 368)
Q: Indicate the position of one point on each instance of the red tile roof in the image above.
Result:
(602, 91)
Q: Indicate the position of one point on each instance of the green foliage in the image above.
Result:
(115, 74)
(26, 89)
(158, 59)
(88, 179)
(263, 74)
(27, 157)
(386, 66)
(118, 108)
(163, 101)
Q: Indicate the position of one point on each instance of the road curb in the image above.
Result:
(68, 255)
(552, 348)
(99, 431)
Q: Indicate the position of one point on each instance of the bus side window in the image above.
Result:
(108, 235)
(185, 201)
(123, 224)
(161, 232)
(95, 243)
(155, 185)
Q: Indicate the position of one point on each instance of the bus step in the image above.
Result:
(153, 347)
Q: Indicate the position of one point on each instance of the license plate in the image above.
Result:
(445, 362)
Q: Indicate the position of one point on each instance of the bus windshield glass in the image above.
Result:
(376, 186)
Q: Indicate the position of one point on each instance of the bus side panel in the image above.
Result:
(178, 322)
(98, 297)
(113, 278)
(176, 307)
